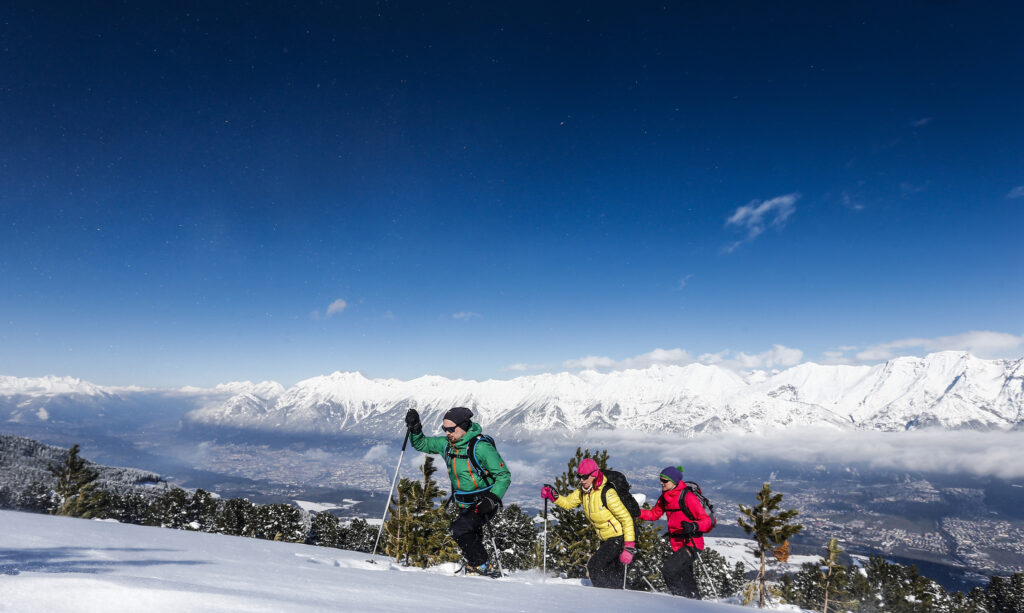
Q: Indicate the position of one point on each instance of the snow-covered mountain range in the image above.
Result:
(947, 389)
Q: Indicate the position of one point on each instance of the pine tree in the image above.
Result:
(1006, 595)
(237, 518)
(833, 574)
(418, 532)
(202, 511)
(515, 536)
(360, 536)
(280, 522)
(77, 494)
(714, 575)
(571, 541)
(170, 510)
(770, 528)
(324, 530)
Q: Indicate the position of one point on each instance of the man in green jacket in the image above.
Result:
(478, 475)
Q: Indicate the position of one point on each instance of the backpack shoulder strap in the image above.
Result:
(682, 503)
(471, 452)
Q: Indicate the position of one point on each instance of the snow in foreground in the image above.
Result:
(63, 564)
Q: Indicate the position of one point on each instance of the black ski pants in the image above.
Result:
(604, 568)
(678, 573)
(468, 531)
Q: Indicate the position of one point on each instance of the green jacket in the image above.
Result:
(460, 469)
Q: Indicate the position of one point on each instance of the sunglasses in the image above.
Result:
(586, 476)
(665, 480)
(447, 429)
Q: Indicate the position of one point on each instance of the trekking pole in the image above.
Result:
(545, 561)
(653, 589)
(497, 554)
(625, 569)
(387, 503)
(707, 575)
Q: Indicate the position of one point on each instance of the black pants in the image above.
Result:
(604, 567)
(678, 573)
(468, 531)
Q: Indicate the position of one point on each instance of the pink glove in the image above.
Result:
(548, 493)
(627, 552)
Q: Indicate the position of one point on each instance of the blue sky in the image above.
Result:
(194, 194)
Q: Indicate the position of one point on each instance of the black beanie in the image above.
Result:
(460, 416)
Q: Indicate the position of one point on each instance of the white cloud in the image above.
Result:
(378, 453)
(1017, 192)
(936, 451)
(591, 362)
(466, 315)
(336, 307)
(920, 123)
(682, 282)
(757, 216)
(776, 357)
(779, 356)
(646, 360)
(524, 367)
(982, 343)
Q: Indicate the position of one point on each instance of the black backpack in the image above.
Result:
(618, 481)
(709, 509)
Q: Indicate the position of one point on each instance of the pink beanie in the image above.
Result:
(587, 466)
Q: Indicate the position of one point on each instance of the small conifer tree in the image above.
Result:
(515, 536)
(77, 494)
(324, 530)
(833, 573)
(770, 528)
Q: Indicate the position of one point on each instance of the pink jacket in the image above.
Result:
(669, 503)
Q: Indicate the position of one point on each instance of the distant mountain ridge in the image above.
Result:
(953, 390)
(946, 389)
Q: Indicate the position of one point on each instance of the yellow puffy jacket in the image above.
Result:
(609, 522)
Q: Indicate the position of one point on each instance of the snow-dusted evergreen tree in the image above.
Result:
(417, 530)
(358, 535)
(280, 522)
(324, 530)
(515, 536)
(887, 587)
(170, 510)
(1006, 594)
(714, 576)
(571, 541)
(770, 528)
(77, 494)
(236, 517)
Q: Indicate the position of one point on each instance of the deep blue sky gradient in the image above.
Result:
(184, 189)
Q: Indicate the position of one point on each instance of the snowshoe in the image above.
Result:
(484, 570)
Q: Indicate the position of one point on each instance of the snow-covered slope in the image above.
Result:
(947, 389)
(62, 564)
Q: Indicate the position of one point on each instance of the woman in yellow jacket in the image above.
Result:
(613, 523)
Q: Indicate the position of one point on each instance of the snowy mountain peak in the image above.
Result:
(946, 389)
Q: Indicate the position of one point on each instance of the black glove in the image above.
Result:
(486, 503)
(689, 529)
(412, 422)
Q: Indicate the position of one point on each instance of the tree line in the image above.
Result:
(416, 534)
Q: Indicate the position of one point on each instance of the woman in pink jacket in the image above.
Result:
(684, 527)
